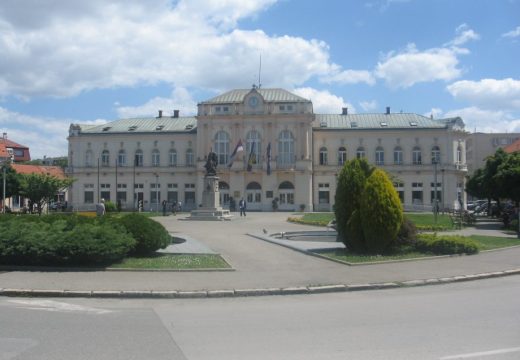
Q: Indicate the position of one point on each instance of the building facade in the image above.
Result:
(290, 158)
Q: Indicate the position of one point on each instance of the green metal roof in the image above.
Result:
(377, 121)
(269, 95)
(140, 125)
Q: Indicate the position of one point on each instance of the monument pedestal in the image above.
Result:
(210, 209)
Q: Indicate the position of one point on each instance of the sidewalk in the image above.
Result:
(260, 267)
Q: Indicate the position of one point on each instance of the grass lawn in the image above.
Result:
(494, 242)
(174, 261)
(319, 219)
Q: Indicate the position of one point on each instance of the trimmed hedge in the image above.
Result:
(446, 244)
(149, 234)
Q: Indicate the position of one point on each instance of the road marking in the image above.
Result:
(50, 305)
(479, 354)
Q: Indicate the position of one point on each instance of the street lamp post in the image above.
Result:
(157, 192)
(435, 201)
(4, 173)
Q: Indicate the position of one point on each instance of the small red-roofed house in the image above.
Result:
(16, 151)
(512, 148)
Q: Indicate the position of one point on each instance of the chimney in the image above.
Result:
(175, 113)
(344, 111)
(4, 136)
(388, 110)
(160, 114)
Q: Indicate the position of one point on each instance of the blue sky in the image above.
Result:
(94, 61)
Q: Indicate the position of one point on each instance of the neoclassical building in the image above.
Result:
(291, 156)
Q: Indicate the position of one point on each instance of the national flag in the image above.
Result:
(268, 159)
(238, 148)
(252, 157)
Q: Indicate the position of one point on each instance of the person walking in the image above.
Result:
(242, 205)
(164, 206)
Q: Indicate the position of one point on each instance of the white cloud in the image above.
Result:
(55, 48)
(411, 66)
(323, 101)
(369, 106)
(350, 77)
(489, 93)
(481, 120)
(513, 33)
(43, 136)
(179, 100)
(463, 35)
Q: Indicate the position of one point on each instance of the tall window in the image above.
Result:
(459, 154)
(222, 147)
(139, 157)
(360, 152)
(380, 156)
(189, 158)
(156, 157)
(89, 157)
(342, 156)
(285, 148)
(121, 158)
(173, 157)
(416, 156)
(323, 156)
(253, 142)
(436, 155)
(398, 155)
(105, 158)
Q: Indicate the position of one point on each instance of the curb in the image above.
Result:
(234, 293)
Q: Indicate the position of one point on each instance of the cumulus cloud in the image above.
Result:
(59, 48)
(489, 93)
(513, 33)
(323, 101)
(482, 120)
(411, 66)
(180, 100)
(463, 35)
(350, 77)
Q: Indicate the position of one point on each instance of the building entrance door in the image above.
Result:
(286, 194)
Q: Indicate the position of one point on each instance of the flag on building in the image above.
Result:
(268, 159)
(238, 149)
(252, 158)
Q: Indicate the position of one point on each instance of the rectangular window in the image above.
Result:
(173, 196)
(121, 196)
(105, 195)
(269, 194)
(89, 197)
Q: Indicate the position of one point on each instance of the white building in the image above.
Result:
(162, 158)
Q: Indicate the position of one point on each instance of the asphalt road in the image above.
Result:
(473, 320)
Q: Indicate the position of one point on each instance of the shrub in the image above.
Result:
(110, 207)
(381, 212)
(69, 240)
(446, 244)
(407, 234)
(149, 235)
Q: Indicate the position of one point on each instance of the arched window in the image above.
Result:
(286, 185)
(173, 157)
(139, 158)
(121, 158)
(189, 158)
(253, 186)
(459, 154)
(416, 156)
(398, 155)
(323, 156)
(285, 148)
(89, 158)
(342, 155)
(222, 147)
(360, 152)
(253, 149)
(156, 157)
(105, 158)
(436, 155)
(380, 156)
(222, 185)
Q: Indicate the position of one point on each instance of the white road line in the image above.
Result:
(482, 353)
(50, 305)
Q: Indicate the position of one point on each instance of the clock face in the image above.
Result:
(253, 101)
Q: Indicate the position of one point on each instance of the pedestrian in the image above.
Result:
(100, 208)
(242, 205)
(174, 208)
(164, 205)
(179, 206)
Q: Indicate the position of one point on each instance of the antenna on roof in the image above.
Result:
(260, 72)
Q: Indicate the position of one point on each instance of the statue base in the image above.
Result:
(210, 209)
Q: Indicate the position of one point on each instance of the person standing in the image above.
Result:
(100, 208)
(164, 206)
(242, 205)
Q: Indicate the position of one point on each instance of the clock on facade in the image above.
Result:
(253, 101)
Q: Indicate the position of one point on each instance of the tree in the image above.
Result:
(39, 189)
(381, 212)
(351, 182)
(12, 182)
(508, 178)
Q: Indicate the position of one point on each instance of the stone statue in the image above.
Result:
(211, 164)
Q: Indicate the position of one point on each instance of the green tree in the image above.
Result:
(12, 182)
(351, 182)
(508, 178)
(39, 189)
(381, 212)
